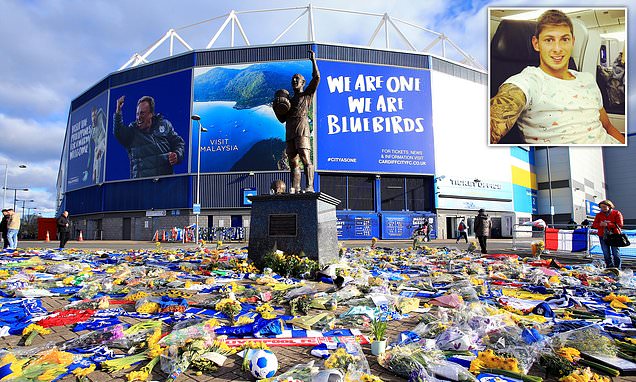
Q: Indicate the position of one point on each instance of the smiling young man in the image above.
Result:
(550, 103)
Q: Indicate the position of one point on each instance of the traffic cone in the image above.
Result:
(81, 238)
(156, 236)
(48, 238)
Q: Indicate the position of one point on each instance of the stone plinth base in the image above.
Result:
(293, 223)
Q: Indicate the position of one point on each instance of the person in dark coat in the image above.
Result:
(482, 229)
(63, 228)
(4, 228)
(153, 145)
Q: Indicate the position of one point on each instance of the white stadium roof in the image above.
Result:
(384, 31)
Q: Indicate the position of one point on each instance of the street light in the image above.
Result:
(6, 177)
(15, 193)
(197, 118)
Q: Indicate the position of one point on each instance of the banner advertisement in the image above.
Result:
(357, 226)
(143, 142)
(87, 144)
(402, 226)
(235, 106)
(374, 119)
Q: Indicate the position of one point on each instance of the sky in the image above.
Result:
(53, 50)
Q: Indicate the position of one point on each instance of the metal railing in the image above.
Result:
(570, 239)
(524, 235)
(214, 234)
(594, 244)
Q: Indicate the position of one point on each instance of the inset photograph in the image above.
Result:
(557, 76)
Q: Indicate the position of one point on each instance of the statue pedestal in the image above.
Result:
(293, 223)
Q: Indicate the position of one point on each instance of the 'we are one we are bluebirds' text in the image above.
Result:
(382, 111)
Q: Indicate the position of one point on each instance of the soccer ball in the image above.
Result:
(263, 364)
(281, 102)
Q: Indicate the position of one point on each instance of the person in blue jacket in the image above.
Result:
(153, 145)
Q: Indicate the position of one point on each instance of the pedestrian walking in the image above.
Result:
(63, 228)
(482, 229)
(13, 228)
(463, 231)
(609, 220)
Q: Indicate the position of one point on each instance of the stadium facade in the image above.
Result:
(398, 137)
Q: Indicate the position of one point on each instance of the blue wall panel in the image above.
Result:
(165, 193)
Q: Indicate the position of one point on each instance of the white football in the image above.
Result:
(263, 364)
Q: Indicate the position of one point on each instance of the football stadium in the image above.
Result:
(398, 136)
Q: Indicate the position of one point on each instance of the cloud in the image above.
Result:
(31, 140)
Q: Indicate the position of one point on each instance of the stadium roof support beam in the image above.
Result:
(290, 26)
(390, 25)
(233, 18)
(171, 34)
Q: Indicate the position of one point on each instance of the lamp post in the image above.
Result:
(6, 178)
(15, 193)
(197, 118)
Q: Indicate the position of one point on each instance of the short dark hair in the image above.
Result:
(150, 100)
(553, 17)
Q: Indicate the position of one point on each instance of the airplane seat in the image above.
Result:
(585, 56)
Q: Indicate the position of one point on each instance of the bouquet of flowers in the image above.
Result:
(339, 360)
(300, 305)
(96, 337)
(405, 360)
(208, 358)
(31, 331)
(180, 336)
(349, 359)
(584, 375)
(537, 247)
(230, 308)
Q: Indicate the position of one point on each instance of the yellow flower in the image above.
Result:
(155, 351)
(52, 373)
(36, 328)
(243, 320)
(68, 280)
(16, 365)
(148, 307)
(369, 378)
(571, 354)
(141, 375)
(476, 365)
(154, 338)
(83, 372)
(55, 357)
(617, 305)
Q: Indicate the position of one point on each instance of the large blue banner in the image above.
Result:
(234, 103)
(402, 225)
(374, 119)
(357, 226)
(137, 151)
(87, 144)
